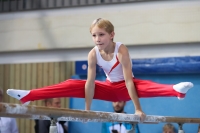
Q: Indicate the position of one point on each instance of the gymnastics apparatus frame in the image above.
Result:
(62, 114)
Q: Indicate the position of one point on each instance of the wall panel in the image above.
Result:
(141, 23)
(31, 76)
(27, 84)
(33, 84)
(6, 69)
(2, 75)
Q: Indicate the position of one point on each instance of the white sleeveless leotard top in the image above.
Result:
(112, 68)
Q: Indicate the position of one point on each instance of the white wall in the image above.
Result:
(136, 52)
(135, 24)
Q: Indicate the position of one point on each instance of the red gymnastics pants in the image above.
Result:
(104, 90)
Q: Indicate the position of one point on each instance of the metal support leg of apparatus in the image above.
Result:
(198, 128)
(132, 130)
(53, 127)
(180, 128)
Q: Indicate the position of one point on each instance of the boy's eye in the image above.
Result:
(101, 34)
(93, 35)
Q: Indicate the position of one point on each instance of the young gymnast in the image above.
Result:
(120, 85)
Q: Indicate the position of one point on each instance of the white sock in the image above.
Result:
(180, 98)
(183, 87)
(18, 94)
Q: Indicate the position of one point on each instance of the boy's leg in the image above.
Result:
(68, 88)
(146, 88)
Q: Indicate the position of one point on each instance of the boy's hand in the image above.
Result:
(141, 114)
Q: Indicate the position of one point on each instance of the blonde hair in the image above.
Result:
(168, 126)
(104, 24)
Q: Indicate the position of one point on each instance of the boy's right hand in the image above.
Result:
(141, 114)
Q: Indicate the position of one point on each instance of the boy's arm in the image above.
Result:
(90, 83)
(124, 59)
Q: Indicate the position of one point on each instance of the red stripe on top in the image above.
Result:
(115, 65)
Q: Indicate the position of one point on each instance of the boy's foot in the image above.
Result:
(18, 94)
(182, 87)
(180, 98)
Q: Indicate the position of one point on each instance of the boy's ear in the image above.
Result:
(112, 34)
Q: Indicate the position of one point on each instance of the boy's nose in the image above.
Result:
(98, 39)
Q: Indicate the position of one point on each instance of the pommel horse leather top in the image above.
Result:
(44, 113)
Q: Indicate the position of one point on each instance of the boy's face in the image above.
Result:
(101, 38)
